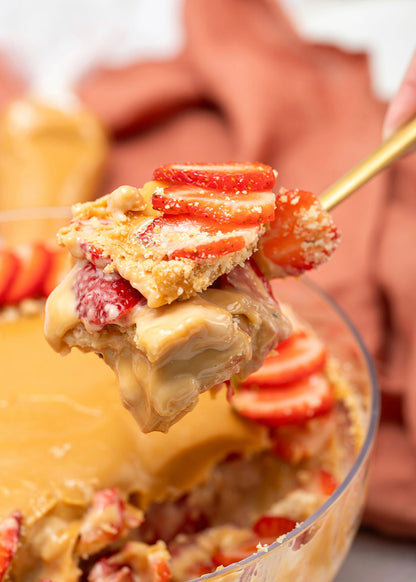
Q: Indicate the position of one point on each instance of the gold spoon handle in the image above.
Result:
(379, 159)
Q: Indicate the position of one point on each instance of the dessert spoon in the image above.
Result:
(389, 151)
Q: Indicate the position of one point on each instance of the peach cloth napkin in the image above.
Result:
(247, 87)
(11, 85)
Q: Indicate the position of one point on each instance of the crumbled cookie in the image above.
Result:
(165, 259)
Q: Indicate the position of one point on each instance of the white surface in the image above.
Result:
(383, 28)
(55, 41)
(378, 559)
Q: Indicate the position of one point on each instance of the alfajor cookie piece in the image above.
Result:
(166, 255)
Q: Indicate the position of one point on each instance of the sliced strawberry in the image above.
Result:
(102, 298)
(186, 237)
(294, 404)
(235, 207)
(209, 250)
(159, 568)
(34, 261)
(328, 482)
(302, 235)
(229, 176)
(109, 519)
(301, 354)
(9, 540)
(273, 526)
(94, 255)
(9, 265)
(58, 268)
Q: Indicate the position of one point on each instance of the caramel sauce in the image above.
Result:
(49, 157)
(64, 433)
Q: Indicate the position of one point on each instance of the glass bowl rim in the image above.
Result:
(58, 212)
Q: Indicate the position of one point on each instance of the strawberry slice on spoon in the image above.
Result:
(186, 237)
(243, 208)
(102, 298)
(301, 237)
(219, 176)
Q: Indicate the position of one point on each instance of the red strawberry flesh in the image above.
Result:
(218, 176)
(33, 264)
(273, 526)
(59, 266)
(94, 255)
(235, 207)
(328, 482)
(187, 237)
(9, 265)
(294, 404)
(302, 235)
(107, 520)
(301, 354)
(103, 298)
(265, 531)
(218, 248)
(9, 540)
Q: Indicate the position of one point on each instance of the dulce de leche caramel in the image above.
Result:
(48, 156)
(64, 433)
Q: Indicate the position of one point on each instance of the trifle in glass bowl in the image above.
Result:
(225, 493)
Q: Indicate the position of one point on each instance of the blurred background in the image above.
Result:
(300, 84)
(54, 42)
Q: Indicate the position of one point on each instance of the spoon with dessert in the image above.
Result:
(170, 281)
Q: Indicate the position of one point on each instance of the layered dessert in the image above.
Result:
(88, 496)
(165, 286)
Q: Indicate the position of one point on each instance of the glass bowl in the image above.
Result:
(315, 550)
